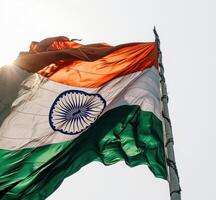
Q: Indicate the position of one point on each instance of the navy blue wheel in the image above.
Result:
(73, 111)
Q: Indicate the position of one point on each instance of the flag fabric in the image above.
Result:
(85, 103)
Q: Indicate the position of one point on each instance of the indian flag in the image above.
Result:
(85, 103)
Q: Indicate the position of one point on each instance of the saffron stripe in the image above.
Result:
(121, 62)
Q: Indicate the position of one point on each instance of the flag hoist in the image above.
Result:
(173, 177)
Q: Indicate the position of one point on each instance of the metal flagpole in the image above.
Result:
(174, 186)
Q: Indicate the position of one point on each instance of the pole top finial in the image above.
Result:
(156, 35)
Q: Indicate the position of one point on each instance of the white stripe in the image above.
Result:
(28, 124)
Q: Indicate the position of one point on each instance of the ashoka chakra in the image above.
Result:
(73, 111)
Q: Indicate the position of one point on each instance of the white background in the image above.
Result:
(187, 32)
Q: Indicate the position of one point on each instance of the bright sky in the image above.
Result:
(187, 31)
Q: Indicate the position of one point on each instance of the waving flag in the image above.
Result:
(85, 103)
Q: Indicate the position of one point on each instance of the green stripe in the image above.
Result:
(124, 133)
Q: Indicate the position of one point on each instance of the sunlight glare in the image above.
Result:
(7, 59)
(9, 50)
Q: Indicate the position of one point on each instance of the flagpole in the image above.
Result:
(174, 186)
